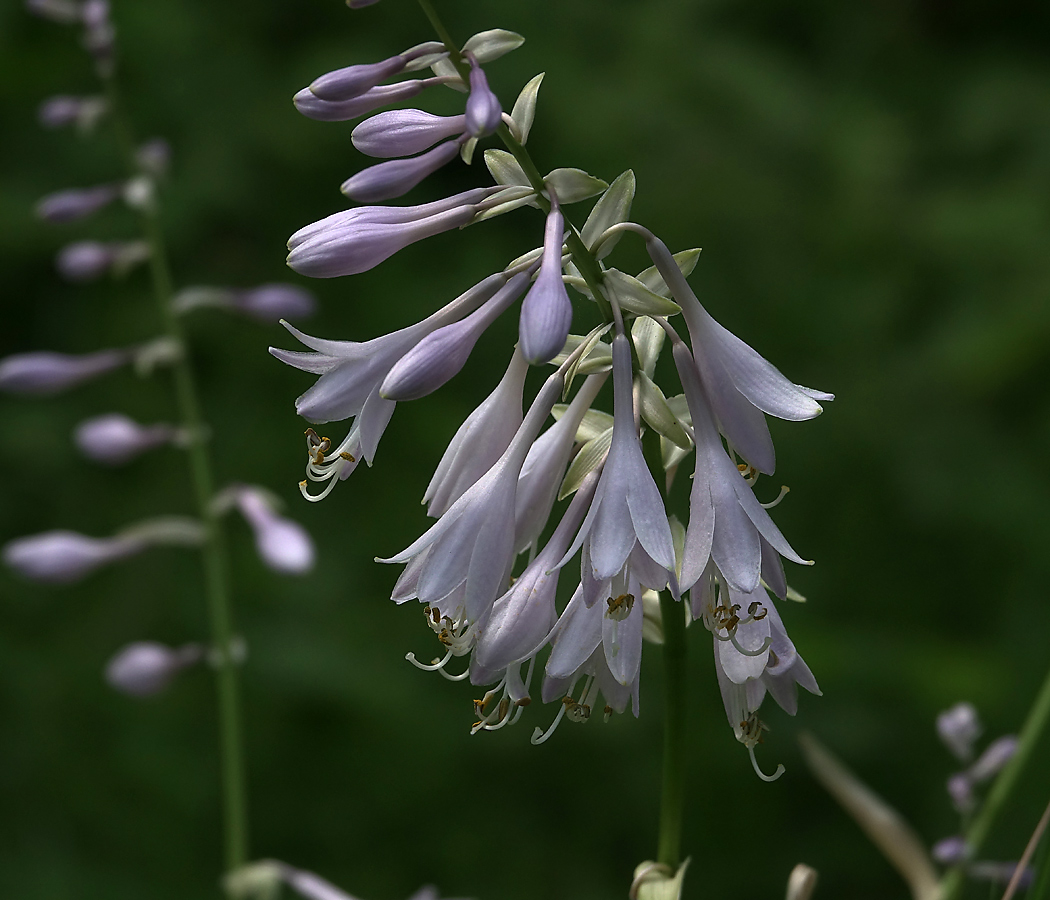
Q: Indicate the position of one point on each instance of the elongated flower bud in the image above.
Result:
(65, 12)
(273, 302)
(44, 372)
(62, 557)
(282, 544)
(404, 132)
(483, 111)
(313, 107)
(352, 81)
(441, 354)
(115, 439)
(546, 311)
(361, 246)
(387, 180)
(68, 206)
(146, 667)
(88, 260)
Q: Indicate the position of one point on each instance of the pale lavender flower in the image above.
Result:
(404, 132)
(480, 440)
(273, 302)
(544, 467)
(44, 372)
(282, 543)
(88, 260)
(739, 383)
(114, 439)
(523, 617)
(352, 81)
(77, 203)
(959, 727)
(726, 522)
(627, 518)
(442, 353)
(146, 668)
(483, 112)
(387, 180)
(471, 547)
(62, 557)
(313, 107)
(546, 311)
(62, 110)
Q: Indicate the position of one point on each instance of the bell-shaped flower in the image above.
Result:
(114, 439)
(77, 203)
(353, 81)
(546, 311)
(740, 384)
(387, 180)
(146, 668)
(442, 353)
(726, 521)
(471, 547)
(627, 512)
(282, 544)
(357, 240)
(544, 467)
(44, 372)
(89, 260)
(404, 132)
(483, 112)
(480, 440)
(313, 107)
(350, 370)
(523, 617)
(62, 557)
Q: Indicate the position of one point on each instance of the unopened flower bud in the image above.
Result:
(950, 850)
(115, 439)
(483, 112)
(62, 557)
(68, 206)
(62, 110)
(958, 728)
(49, 373)
(88, 260)
(360, 4)
(546, 311)
(282, 544)
(960, 789)
(387, 180)
(352, 81)
(442, 353)
(996, 755)
(154, 157)
(273, 302)
(313, 107)
(65, 12)
(404, 132)
(146, 667)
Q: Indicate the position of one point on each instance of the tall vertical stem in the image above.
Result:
(672, 797)
(220, 615)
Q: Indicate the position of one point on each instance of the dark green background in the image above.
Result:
(869, 182)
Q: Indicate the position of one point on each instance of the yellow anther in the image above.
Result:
(348, 457)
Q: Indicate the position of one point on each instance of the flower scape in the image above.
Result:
(487, 572)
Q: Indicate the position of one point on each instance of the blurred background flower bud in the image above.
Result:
(62, 557)
(146, 667)
(44, 372)
(114, 439)
(77, 203)
(958, 728)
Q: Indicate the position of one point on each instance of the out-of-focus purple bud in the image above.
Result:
(146, 667)
(360, 4)
(62, 557)
(114, 439)
(62, 110)
(282, 544)
(78, 203)
(273, 302)
(960, 789)
(45, 373)
(313, 107)
(154, 157)
(442, 353)
(360, 246)
(404, 132)
(65, 12)
(387, 180)
(950, 851)
(88, 260)
(483, 111)
(987, 870)
(352, 81)
(996, 755)
(546, 311)
(958, 728)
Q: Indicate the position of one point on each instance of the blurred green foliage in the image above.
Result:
(869, 182)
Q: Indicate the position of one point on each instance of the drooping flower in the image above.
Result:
(283, 544)
(146, 668)
(546, 311)
(483, 112)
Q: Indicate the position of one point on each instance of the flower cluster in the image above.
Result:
(484, 574)
(114, 439)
